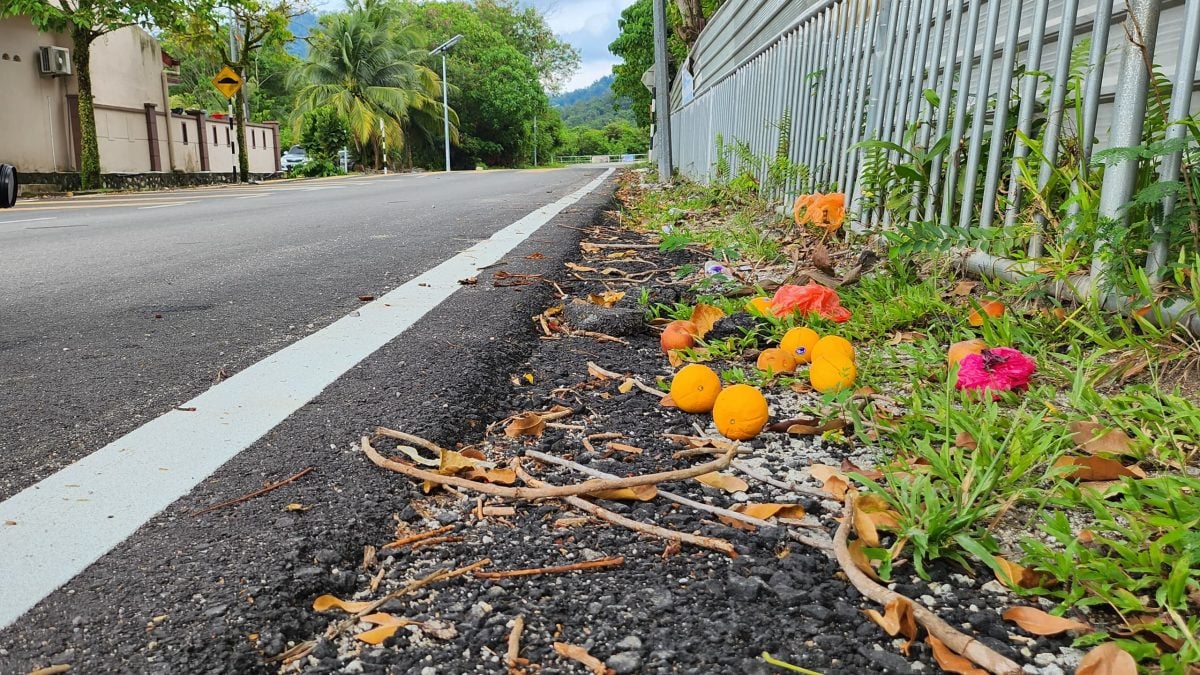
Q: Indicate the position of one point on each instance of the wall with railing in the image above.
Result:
(998, 123)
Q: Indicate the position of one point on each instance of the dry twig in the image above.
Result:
(587, 487)
(257, 493)
(413, 538)
(512, 658)
(645, 528)
(602, 563)
(962, 644)
(800, 489)
(598, 336)
(593, 368)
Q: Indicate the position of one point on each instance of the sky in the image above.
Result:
(589, 25)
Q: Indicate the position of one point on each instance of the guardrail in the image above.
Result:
(601, 159)
(1000, 116)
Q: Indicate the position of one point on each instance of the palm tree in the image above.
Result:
(364, 64)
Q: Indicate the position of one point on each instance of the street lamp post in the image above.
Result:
(441, 50)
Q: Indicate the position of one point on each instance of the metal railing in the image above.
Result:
(627, 158)
(992, 103)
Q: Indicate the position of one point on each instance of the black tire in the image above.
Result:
(8, 186)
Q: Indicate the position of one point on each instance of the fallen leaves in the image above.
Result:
(832, 480)
(386, 626)
(606, 299)
(1107, 659)
(1012, 574)
(1094, 439)
(326, 602)
(897, 618)
(762, 512)
(705, 317)
(1037, 622)
(1097, 469)
(525, 424)
(950, 662)
(723, 481)
(577, 653)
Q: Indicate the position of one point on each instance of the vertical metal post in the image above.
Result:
(991, 179)
(1033, 66)
(233, 170)
(535, 140)
(232, 58)
(1058, 95)
(1181, 97)
(445, 113)
(1095, 79)
(1129, 117)
(943, 111)
(965, 68)
(383, 144)
(662, 91)
(967, 211)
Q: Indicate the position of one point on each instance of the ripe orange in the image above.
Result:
(695, 388)
(760, 306)
(740, 412)
(960, 350)
(993, 308)
(832, 374)
(833, 346)
(776, 360)
(799, 343)
(678, 335)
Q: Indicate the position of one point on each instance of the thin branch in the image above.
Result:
(602, 563)
(637, 526)
(257, 493)
(587, 487)
(962, 644)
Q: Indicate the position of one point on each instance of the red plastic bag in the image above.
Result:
(812, 298)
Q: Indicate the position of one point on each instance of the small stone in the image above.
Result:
(77, 621)
(1031, 669)
(743, 588)
(630, 643)
(327, 556)
(625, 662)
(994, 586)
(1052, 669)
(589, 554)
(429, 670)
(495, 591)
(215, 611)
(660, 599)
(309, 572)
(355, 666)
(917, 665)
(928, 600)
(1043, 659)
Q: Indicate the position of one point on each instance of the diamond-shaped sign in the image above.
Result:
(228, 82)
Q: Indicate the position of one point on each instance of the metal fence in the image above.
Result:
(974, 113)
(627, 158)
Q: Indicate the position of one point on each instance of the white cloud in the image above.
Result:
(589, 72)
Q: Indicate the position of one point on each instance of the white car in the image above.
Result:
(293, 157)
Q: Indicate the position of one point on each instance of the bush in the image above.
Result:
(316, 167)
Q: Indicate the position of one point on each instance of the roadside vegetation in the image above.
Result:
(1077, 488)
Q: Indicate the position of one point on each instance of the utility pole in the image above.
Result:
(442, 49)
(662, 92)
(535, 141)
(232, 58)
(383, 140)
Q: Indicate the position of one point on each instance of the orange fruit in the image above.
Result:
(832, 374)
(799, 343)
(960, 350)
(760, 306)
(776, 360)
(678, 335)
(832, 346)
(695, 388)
(993, 308)
(740, 412)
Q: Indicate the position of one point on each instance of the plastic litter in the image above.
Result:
(812, 298)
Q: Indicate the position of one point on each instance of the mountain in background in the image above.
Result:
(592, 106)
(301, 26)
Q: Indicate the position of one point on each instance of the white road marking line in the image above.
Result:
(129, 481)
(260, 194)
(164, 206)
(26, 220)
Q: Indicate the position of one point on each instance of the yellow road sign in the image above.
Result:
(228, 82)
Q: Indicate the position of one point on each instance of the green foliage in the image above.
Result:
(616, 138)
(316, 167)
(594, 106)
(324, 133)
(635, 46)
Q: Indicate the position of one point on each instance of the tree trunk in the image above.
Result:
(239, 115)
(89, 150)
(693, 20)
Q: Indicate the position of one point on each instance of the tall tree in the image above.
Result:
(236, 39)
(527, 30)
(363, 64)
(85, 21)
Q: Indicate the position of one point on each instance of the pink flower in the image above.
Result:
(997, 369)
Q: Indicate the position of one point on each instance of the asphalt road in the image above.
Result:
(116, 309)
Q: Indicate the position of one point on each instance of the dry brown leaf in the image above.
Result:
(820, 259)
(1012, 574)
(1100, 487)
(966, 441)
(1107, 659)
(1094, 439)
(950, 662)
(865, 527)
(833, 481)
(900, 337)
(1035, 621)
(816, 430)
(386, 626)
(674, 358)
(667, 402)
(765, 511)
(588, 247)
(704, 316)
(577, 653)
(963, 288)
(596, 372)
(326, 602)
(617, 255)
(1097, 468)
(897, 618)
(861, 561)
(579, 268)
(498, 476)
(723, 481)
(639, 493)
(525, 424)
(606, 299)
(626, 386)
